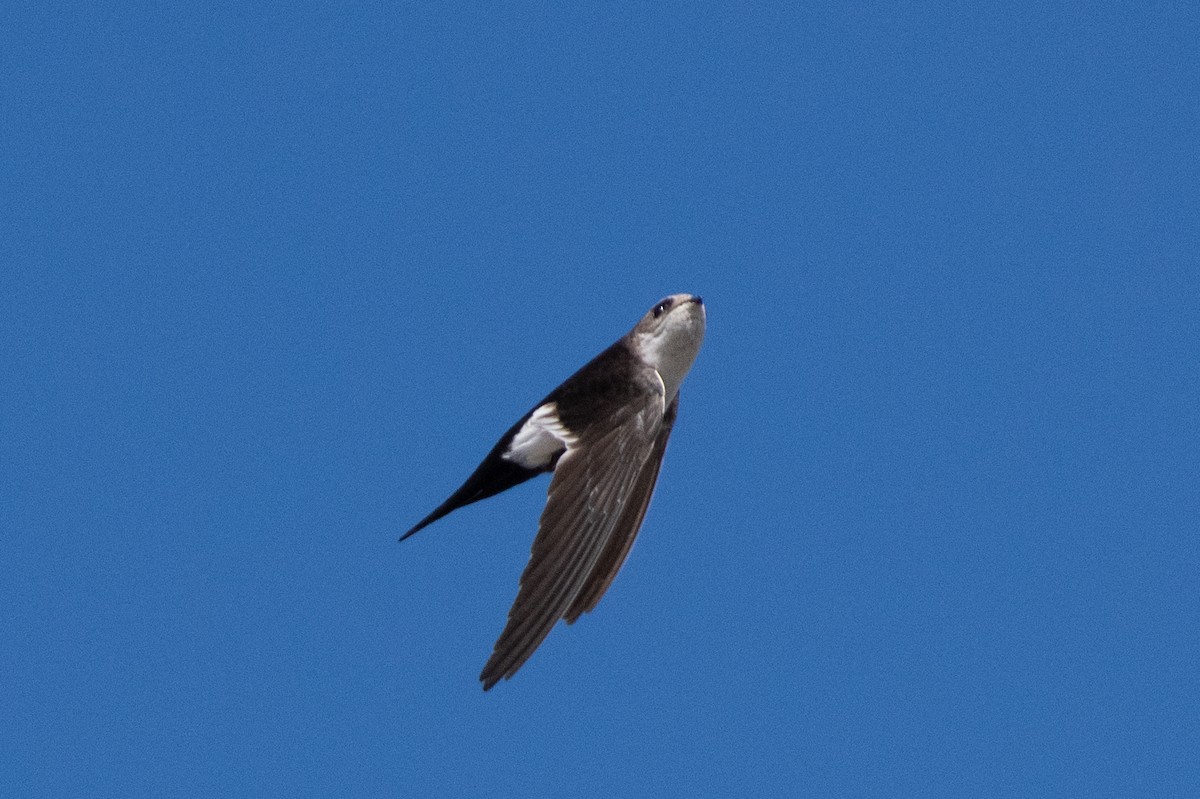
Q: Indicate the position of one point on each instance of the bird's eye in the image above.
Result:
(660, 308)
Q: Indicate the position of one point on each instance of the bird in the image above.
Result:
(602, 433)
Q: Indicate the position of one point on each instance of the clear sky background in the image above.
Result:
(275, 279)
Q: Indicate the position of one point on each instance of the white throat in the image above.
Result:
(672, 348)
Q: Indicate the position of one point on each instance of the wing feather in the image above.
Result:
(588, 497)
(626, 529)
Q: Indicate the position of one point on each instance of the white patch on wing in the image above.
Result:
(540, 439)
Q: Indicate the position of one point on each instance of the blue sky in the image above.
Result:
(277, 278)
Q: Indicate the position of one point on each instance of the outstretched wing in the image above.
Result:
(593, 487)
(626, 530)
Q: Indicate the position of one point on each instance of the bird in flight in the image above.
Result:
(602, 433)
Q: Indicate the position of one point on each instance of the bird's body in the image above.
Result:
(602, 433)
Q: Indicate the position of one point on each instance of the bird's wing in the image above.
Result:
(626, 529)
(588, 496)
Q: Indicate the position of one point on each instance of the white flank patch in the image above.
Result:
(540, 439)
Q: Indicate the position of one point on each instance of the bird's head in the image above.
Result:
(669, 337)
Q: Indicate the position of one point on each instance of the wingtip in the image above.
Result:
(428, 520)
(494, 671)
